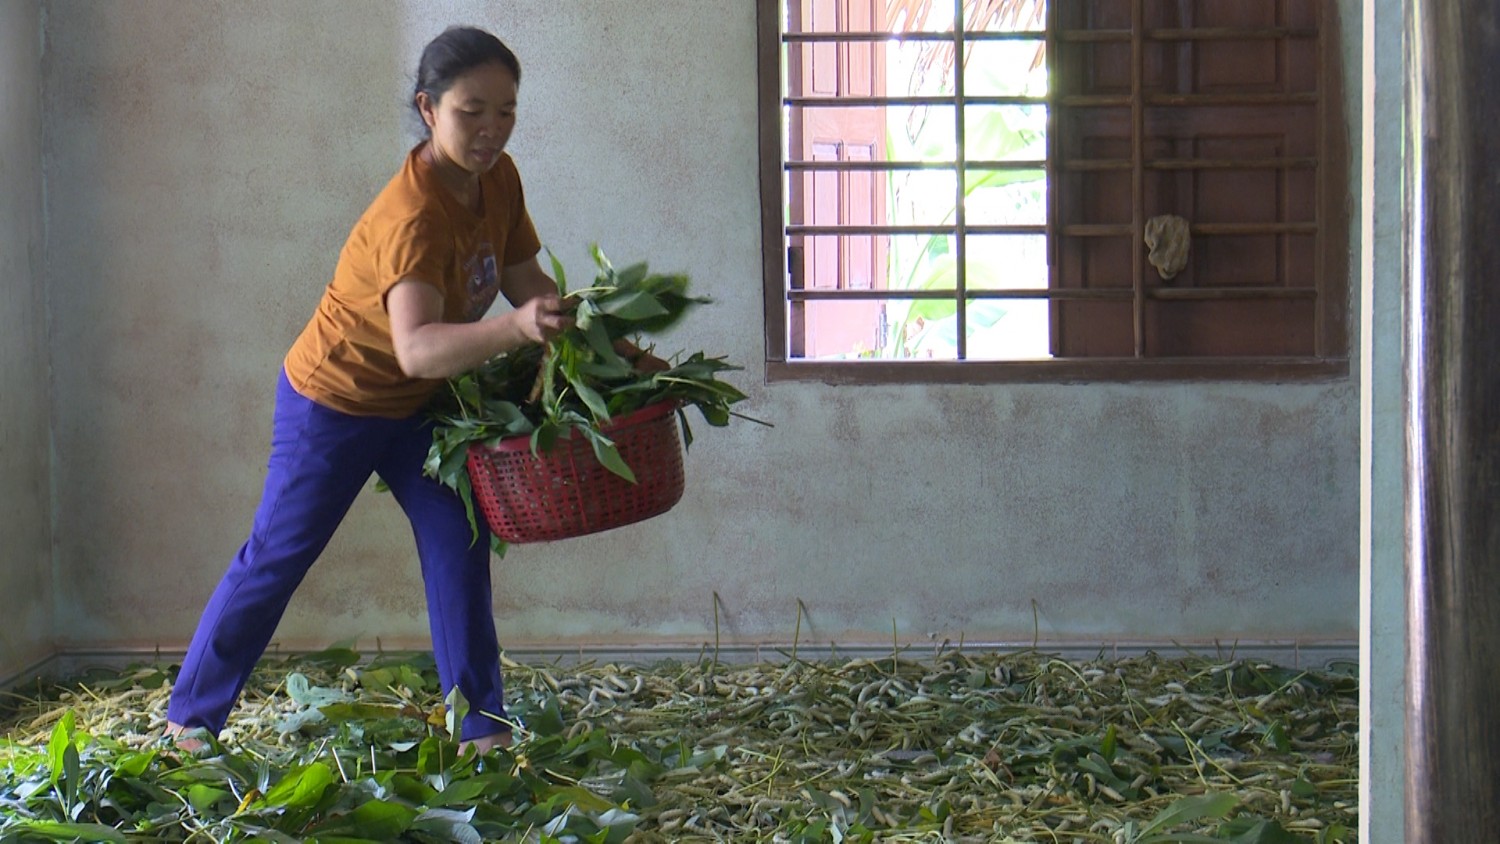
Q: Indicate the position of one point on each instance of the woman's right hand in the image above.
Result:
(543, 317)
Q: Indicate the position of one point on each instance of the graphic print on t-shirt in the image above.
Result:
(482, 281)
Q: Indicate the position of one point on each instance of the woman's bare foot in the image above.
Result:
(190, 744)
(484, 744)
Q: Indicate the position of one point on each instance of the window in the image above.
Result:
(989, 190)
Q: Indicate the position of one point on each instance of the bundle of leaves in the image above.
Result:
(580, 381)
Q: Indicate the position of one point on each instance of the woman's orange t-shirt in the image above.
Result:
(415, 229)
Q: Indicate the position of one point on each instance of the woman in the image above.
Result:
(403, 312)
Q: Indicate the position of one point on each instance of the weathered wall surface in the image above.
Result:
(207, 161)
(25, 503)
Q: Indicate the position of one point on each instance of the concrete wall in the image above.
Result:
(206, 162)
(25, 496)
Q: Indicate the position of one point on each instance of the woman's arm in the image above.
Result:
(427, 347)
(525, 281)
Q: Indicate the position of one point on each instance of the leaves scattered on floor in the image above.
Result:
(960, 746)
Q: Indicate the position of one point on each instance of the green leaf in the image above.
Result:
(632, 275)
(607, 370)
(1101, 769)
(605, 268)
(1189, 809)
(632, 791)
(706, 758)
(466, 492)
(133, 764)
(714, 415)
(579, 796)
(609, 456)
(592, 400)
(203, 798)
(73, 831)
(461, 791)
(632, 305)
(544, 438)
(456, 832)
(558, 275)
(450, 815)
(70, 776)
(584, 314)
(466, 389)
(598, 339)
(542, 715)
(301, 788)
(410, 788)
(380, 820)
(1250, 830)
(458, 710)
(1276, 737)
(57, 747)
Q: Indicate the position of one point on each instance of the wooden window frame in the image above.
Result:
(1329, 361)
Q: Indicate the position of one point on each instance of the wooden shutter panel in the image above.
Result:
(1221, 129)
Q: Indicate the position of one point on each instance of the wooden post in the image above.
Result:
(1452, 400)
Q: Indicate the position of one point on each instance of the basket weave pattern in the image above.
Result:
(567, 492)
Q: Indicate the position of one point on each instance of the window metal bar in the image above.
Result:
(937, 37)
(960, 211)
(1290, 98)
(952, 229)
(1119, 294)
(927, 100)
(1098, 293)
(886, 166)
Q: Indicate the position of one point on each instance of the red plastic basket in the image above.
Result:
(567, 492)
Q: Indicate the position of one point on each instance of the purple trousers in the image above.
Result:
(320, 460)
